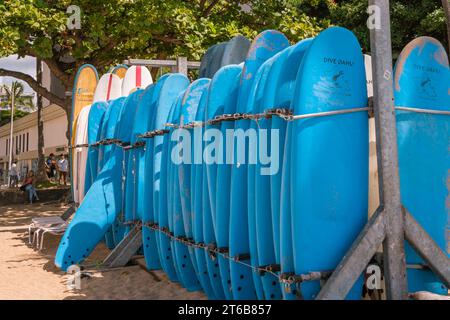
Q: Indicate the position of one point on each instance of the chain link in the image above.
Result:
(287, 279)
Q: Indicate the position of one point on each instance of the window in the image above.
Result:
(23, 142)
(7, 146)
(28, 138)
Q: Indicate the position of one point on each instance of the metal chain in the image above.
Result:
(286, 279)
(283, 113)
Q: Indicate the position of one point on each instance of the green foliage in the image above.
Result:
(113, 30)
(409, 19)
(5, 116)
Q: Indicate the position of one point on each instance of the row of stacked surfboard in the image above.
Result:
(252, 230)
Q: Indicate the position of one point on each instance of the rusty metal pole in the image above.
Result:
(393, 245)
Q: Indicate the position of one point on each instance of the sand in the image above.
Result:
(26, 273)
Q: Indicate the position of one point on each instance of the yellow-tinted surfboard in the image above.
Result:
(82, 95)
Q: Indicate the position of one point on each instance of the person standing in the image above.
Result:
(63, 167)
(13, 176)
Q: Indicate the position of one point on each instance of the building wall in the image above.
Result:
(26, 137)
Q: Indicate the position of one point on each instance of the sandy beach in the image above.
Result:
(26, 273)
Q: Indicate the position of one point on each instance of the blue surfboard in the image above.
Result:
(222, 100)
(189, 111)
(263, 47)
(235, 51)
(103, 202)
(196, 187)
(422, 80)
(166, 197)
(171, 87)
(255, 99)
(329, 156)
(96, 114)
(279, 182)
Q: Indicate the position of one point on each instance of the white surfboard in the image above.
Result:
(109, 88)
(80, 154)
(135, 78)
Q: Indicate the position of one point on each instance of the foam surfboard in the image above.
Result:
(216, 202)
(422, 81)
(329, 168)
(82, 96)
(107, 131)
(278, 91)
(183, 263)
(135, 193)
(80, 154)
(136, 77)
(263, 47)
(255, 98)
(109, 88)
(197, 188)
(205, 63)
(182, 214)
(235, 50)
(285, 85)
(120, 70)
(103, 202)
(171, 87)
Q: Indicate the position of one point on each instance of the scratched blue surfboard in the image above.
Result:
(108, 128)
(179, 192)
(103, 202)
(221, 100)
(279, 182)
(264, 46)
(96, 114)
(278, 92)
(330, 156)
(188, 114)
(256, 96)
(235, 50)
(171, 87)
(422, 80)
(197, 197)
(166, 202)
(135, 157)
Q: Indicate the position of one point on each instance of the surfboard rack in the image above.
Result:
(126, 249)
(391, 224)
(181, 64)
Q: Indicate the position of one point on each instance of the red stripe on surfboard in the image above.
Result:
(138, 76)
(109, 86)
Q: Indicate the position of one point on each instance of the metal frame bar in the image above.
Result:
(391, 223)
(181, 64)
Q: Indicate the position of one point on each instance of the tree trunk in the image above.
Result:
(41, 175)
(446, 6)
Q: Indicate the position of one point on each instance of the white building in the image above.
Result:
(25, 138)
(25, 133)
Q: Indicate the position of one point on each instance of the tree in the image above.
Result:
(409, 19)
(446, 7)
(113, 30)
(22, 102)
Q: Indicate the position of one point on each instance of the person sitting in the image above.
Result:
(28, 186)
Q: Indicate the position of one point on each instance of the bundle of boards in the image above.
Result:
(217, 216)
